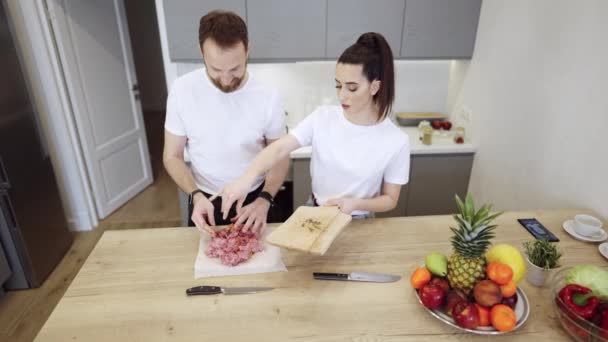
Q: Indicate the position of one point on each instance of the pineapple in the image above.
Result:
(471, 239)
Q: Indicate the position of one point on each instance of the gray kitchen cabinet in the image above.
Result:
(302, 183)
(401, 207)
(434, 179)
(348, 19)
(440, 28)
(286, 29)
(182, 20)
(292, 30)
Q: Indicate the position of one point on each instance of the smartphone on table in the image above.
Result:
(537, 230)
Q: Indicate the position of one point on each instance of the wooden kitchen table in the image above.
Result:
(132, 288)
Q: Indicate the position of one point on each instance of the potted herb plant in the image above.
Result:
(542, 257)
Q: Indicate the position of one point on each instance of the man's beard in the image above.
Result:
(234, 85)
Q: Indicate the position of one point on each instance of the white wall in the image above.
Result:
(420, 85)
(537, 90)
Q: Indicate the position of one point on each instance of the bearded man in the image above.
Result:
(222, 118)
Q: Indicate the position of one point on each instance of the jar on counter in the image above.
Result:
(459, 135)
(427, 135)
(421, 126)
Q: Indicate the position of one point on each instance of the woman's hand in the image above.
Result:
(233, 192)
(346, 204)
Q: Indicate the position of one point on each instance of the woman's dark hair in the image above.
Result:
(226, 28)
(373, 52)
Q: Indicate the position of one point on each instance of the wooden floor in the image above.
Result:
(23, 313)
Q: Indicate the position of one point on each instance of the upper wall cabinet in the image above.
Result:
(296, 30)
(440, 28)
(182, 20)
(348, 19)
(287, 29)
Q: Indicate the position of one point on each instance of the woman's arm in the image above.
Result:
(238, 190)
(387, 200)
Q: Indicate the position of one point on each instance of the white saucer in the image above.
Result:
(603, 247)
(569, 228)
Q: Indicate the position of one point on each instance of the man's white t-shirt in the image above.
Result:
(225, 131)
(350, 160)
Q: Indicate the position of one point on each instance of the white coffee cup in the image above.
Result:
(587, 225)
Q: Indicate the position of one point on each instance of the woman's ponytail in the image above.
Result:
(373, 52)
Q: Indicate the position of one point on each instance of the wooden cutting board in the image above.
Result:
(310, 229)
(420, 115)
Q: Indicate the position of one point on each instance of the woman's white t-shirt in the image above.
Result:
(350, 160)
(225, 131)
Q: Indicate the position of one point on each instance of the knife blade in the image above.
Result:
(357, 276)
(212, 290)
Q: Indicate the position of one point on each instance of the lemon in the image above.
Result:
(509, 255)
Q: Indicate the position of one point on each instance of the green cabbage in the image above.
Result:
(590, 276)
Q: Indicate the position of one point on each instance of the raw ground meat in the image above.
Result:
(233, 246)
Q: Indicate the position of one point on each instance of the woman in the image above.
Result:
(360, 159)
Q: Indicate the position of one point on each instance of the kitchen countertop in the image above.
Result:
(132, 288)
(441, 145)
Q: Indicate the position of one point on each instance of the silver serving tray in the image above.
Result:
(522, 311)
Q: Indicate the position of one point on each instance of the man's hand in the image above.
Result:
(233, 192)
(202, 214)
(253, 216)
(345, 204)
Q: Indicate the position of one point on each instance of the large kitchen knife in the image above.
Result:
(358, 276)
(211, 290)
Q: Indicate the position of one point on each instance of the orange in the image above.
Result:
(484, 315)
(508, 289)
(420, 277)
(500, 273)
(502, 318)
(491, 268)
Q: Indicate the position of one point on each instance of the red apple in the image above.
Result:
(436, 124)
(446, 125)
(431, 296)
(466, 315)
(452, 298)
(441, 282)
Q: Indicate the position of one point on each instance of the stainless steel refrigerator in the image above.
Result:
(34, 233)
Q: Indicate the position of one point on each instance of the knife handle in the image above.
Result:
(203, 290)
(330, 276)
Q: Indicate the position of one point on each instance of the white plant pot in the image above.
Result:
(537, 276)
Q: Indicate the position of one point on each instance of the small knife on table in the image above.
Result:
(358, 276)
(212, 290)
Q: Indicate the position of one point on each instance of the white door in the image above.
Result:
(92, 39)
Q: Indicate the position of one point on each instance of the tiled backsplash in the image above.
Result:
(420, 85)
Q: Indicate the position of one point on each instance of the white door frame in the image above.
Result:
(95, 152)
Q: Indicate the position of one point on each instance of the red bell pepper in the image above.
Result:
(579, 299)
(604, 324)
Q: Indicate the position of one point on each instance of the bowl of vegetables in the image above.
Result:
(579, 298)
